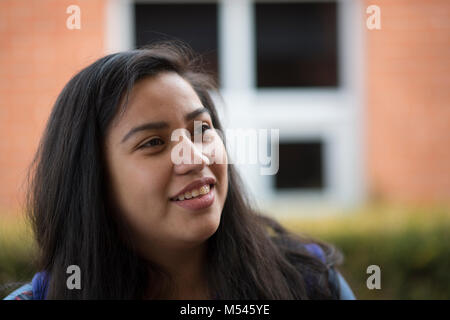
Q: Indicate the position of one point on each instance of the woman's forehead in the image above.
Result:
(165, 98)
(161, 96)
(162, 89)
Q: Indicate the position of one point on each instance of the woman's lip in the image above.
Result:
(196, 184)
(198, 203)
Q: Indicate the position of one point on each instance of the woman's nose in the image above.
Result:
(196, 159)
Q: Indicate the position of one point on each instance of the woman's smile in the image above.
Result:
(195, 188)
(197, 195)
(204, 199)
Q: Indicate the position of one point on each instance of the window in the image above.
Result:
(195, 24)
(296, 44)
(301, 165)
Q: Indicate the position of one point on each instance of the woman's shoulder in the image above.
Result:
(25, 292)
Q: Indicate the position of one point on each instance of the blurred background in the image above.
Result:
(363, 114)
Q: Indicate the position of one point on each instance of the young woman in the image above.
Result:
(106, 196)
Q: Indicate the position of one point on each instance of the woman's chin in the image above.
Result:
(200, 233)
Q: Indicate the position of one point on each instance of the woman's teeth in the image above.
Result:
(194, 193)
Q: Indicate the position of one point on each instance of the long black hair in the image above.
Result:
(250, 256)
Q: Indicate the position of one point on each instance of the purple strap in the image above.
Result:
(40, 285)
(316, 250)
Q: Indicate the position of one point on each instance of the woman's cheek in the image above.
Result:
(136, 184)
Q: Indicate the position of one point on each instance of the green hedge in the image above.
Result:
(414, 263)
(411, 247)
(16, 254)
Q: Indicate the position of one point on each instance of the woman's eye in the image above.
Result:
(205, 125)
(153, 143)
(207, 136)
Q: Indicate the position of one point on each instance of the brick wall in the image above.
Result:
(38, 56)
(408, 101)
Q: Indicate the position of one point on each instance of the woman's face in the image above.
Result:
(143, 176)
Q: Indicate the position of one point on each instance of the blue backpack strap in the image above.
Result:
(316, 250)
(338, 285)
(40, 285)
(333, 279)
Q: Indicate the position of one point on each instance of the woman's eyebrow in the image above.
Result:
(162, 124)
(192, 115)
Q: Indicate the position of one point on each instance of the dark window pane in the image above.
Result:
(301, 165)
(195, 24)
(296, 44)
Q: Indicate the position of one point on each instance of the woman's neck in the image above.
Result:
(187, 269)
